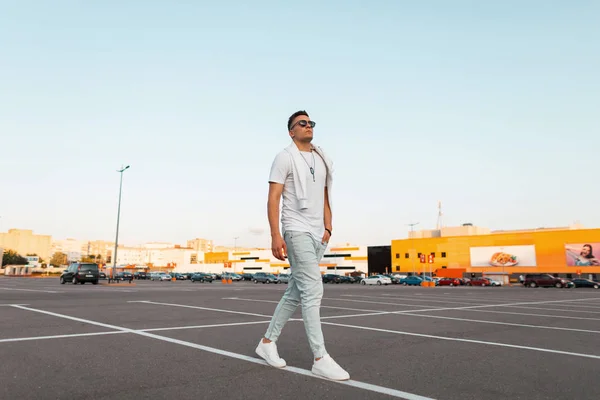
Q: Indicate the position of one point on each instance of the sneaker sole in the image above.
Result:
(328, 378)
(267, 361)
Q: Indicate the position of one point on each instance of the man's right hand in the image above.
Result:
(278, 247)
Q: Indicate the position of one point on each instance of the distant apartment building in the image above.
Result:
(203, 245)
(131, 256)
(24, 242)
(100, 248)
(76, 250)
(156, 255)
(73, 248)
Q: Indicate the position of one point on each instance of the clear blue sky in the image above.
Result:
(490, 107)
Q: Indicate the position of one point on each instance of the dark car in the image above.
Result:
(587, 283)
(202, 277)
(81, 273)
(347, 279)
(124, 276)
(247, 277)
(140, 275)
(544, 280)
(331, 278)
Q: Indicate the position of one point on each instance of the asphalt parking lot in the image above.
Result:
(159, 340)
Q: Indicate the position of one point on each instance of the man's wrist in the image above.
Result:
(328, 230)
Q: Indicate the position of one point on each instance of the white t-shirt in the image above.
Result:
(292, 218)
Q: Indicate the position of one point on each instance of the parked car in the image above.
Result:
(331, 278)
(347, 279)
(585, 283)
(284, 278)
(139, 275)
(495, 282)
(544, 280)
(376, 280)
(414, 280)
(160, 276)
(81, 273)
(394, 279)
(480, 281)
(201, 277)
(448, 282)
(124, 276)
(265, 277)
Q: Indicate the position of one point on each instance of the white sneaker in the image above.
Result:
(268, 351)
(327, 368)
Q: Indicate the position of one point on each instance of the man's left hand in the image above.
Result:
(326, 237)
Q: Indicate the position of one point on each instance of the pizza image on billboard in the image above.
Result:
(503, 256)
(501, 259)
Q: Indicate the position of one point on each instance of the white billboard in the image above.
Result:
(503, 256)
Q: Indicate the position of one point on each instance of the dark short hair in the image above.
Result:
(294, 115)
(591, 255)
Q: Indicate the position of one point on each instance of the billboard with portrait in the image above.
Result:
(503, 256)
(582, 254)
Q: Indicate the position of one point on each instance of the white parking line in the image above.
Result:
(495, 300)
(484, 297)
(524, 305)
(177, 328)
(31, 290)
(413, 313)
(485, 305)
(411, 333)
(480, 321)
(469, 308)
(554, 309)
(200, 308)
(377, 302)
(277, 302)
(410, 299)
(170, 328)
(535, 315)
(300, 371)
(23, 339)
(466, 340)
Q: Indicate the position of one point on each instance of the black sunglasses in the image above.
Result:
(303, 123)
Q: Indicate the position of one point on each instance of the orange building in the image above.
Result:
(565, 252)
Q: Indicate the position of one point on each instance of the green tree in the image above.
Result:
(11, 257)
(58, 259)
(92, 258)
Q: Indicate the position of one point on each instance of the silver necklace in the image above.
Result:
(312, 169)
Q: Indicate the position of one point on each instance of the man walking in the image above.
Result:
(302, 174)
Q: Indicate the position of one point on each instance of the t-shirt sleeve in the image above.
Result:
(280, 168)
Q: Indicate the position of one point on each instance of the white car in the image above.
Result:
(376, 280)
(161, 276)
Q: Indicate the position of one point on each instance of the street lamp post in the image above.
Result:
(118, 218)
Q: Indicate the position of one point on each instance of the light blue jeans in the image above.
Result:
(306, 286)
